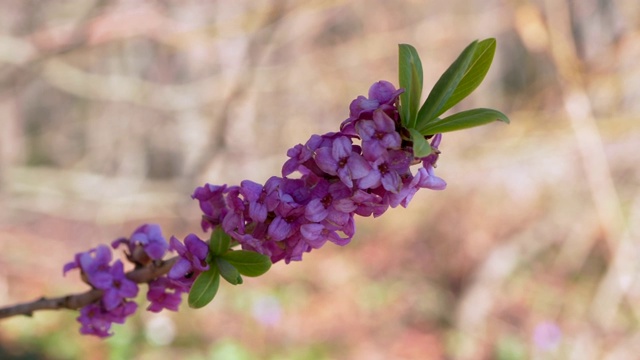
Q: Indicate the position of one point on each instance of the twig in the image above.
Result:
(76, 301)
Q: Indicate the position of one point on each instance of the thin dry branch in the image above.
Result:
(76, 301)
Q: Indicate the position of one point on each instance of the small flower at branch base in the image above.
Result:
(193, 254)
(119, 288)
(145, 244)
(164, 294)
(96, 320)
(120, 313)
(94, 266)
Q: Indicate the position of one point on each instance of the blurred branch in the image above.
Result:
(256, 48)
(77, 301)
(134, 90)
(28, 58)
(482, 294)
(590, 145)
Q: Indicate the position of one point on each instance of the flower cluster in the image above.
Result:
(115, 305)
(361, 170)
(145, 245)
(336, 179)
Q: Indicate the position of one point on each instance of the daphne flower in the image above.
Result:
(342, 161)
(119, 288)
(193, 254)
(145, 244)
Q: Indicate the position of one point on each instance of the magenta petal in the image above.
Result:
(177, 246)
(325, 161)
(180, 269)
(383, 91)
(366, 129)
(196, 246)
(434, 183)
(359, 166)
(313, 234)
(111, 299)
(345, 176)
(371, 181)
(345, 205)
(279, 229)
(69, 266)
(341, 148)
(250, 190)
(258, 211)
(391, 182)
(101, 280)
(315, 211)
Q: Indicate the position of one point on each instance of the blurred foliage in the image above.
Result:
(112, 112)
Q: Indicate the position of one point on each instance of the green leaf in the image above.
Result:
(204, 289)
(421, 147)
(445, 86)
(410, 72)
(228, 271)
(477, 70)
(220, 241)
(464, 120)
(248, 263)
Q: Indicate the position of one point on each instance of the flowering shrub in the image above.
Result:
(363, 169)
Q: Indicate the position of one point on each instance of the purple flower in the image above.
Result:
(234, 219)
(547, 335)
(378, 135)
(164, 294)
(94, 265)
(382, 95)
(146, 243)
(431, 159)
(369, 203)
(289, 217)
(386, 171)
(330, 202)
(256, 195)
(95, 320)
(193, 254)
(316, 235)
(212, 203)
(124, 310)
(341, 160)
(119, 287)
(337, 179)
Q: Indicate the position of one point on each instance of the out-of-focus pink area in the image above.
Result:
(111, 113)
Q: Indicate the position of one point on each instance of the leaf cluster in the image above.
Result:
(462, 77)
(226, 263)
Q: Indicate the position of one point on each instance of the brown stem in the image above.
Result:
(76, 301)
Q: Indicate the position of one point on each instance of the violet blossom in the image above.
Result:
(192, 261)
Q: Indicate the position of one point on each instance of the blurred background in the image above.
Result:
(112, 112)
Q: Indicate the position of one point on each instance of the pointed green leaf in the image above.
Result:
(464, 120)
(204, 288)
(421, 147)
(228, 271)
(248, 263)
(477, 70)
(220, 241)
(410, 71)
(445, 86)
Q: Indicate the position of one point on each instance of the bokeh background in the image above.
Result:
(112, 112)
